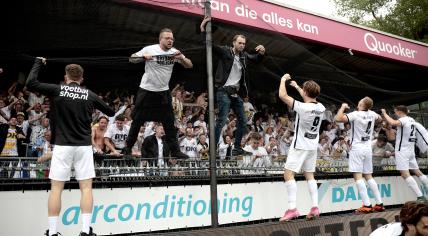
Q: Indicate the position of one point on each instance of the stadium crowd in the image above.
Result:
(26, 115)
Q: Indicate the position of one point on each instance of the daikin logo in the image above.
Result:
(375, 45)
(350, 193)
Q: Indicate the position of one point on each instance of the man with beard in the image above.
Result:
(153, 101)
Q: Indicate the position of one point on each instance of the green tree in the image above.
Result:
(407, 18)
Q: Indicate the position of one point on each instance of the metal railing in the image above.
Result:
(110, 166)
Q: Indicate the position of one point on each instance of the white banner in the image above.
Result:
(125, 210)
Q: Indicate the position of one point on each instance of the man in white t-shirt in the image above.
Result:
(189, 144)
(405, 159)
(115, 136)
(153, 101)
(302, 155)
(413, 222)
(361, 155)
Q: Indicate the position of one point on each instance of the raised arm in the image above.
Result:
(283, 91)
(341, 117)
(33, 84)
(389, 119)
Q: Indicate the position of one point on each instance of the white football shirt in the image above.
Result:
(307, 125)
(406, 135)
(362, 126)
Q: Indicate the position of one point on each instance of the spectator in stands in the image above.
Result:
(225, 147)
(136, 149)
(413, 221)
(259, 155)
(35, 98)
(36, 114)
(71, 130)
(43, 145)
(201, 122)
(155, 149)
(268, 133)
(381, 150)
(360, 155)
(388, 131)
(22, 123)
(177, 103)
(272, 147)
(203, 147)
(258, 125)
(11, 137)
(230, 128)
(340, 148)
(188, 144)
(38, 131)
(4, 115)
(405, 159)
(231, 83)
(154, 102)
(285, 141)
(97, 135)
(303, 151)
(115, 136)
(324, 148)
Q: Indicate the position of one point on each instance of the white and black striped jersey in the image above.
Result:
(307, 125)
(362, 126)
(421, 137)
(406, 135)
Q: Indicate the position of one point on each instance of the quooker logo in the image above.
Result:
(378, 46)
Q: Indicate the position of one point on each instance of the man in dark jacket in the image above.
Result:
(231, 84)
(155, 148)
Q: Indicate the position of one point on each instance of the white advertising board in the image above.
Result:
(126, 210)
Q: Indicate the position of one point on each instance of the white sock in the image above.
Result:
(291, 193)
(53, 221)
(86, 222)
(362, 190)
(313, 191)
(424, 180)
(414, 186)
(373, 186)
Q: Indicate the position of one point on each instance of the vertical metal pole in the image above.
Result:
(213, 166)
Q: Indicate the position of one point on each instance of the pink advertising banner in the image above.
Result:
(272, 17)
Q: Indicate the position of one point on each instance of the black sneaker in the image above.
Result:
(91, 233)
(179, 155)
(47, 233)
(240, 152)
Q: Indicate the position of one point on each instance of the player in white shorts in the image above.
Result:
(362, 124)
(71, 113)
(405, 140)
(303, 151)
